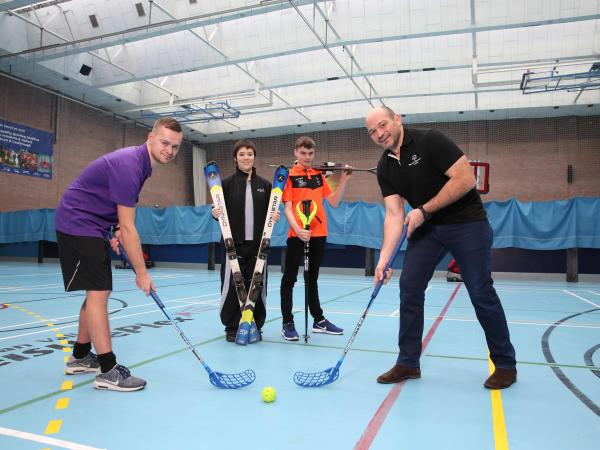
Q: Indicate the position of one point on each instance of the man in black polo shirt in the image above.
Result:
(429, 170)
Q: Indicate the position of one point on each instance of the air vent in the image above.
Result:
(140, 9)
(94, 21)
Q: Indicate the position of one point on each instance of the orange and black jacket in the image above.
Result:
(305, 184)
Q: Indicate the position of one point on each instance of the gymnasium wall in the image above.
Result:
(81, 135)
(528, 157)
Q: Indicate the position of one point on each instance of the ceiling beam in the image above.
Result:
(148, 31)
(350, 42)
(14, 4)
(484, 68)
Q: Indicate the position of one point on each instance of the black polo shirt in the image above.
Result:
(419, 174)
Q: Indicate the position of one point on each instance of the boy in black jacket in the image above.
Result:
(247, 201)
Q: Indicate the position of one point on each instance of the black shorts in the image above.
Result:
(85, 263)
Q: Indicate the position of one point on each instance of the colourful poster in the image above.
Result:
(25, 150)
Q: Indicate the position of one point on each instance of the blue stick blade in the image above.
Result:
(232, 380)
(316, 379)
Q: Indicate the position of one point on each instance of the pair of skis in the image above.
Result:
(248, 332)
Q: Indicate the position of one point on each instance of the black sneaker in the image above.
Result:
(230, 335)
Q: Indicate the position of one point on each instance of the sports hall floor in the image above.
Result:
(555, 327)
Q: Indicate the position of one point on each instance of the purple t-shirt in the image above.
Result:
(89, 206)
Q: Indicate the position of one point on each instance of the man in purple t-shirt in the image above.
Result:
(103, 196)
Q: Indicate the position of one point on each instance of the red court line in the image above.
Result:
(372, 429)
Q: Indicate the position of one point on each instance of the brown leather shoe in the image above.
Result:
(399, 373)
(501, 378)
(230, 335)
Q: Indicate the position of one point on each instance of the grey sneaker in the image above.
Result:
(88, 363)
(119, 379)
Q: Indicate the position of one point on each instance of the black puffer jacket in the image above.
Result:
(234, 189)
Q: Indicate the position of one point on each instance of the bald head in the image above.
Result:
(384, 127)
(383, 110)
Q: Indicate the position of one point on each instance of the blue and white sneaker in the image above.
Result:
(89, 363)
(325, 326)
(119, 378)
(289, 332)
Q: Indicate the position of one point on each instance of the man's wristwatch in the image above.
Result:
(426, 215)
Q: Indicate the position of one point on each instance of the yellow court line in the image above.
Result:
(62, 403)
(53, 426)
(500, 436)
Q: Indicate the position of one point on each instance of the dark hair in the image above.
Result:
(169, 123)
(243, 143)
(306, 142)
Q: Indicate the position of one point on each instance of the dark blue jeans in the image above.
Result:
(470, 243)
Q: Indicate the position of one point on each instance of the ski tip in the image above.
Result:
(211, 171)
(281, 174)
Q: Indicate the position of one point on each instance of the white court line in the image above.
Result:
(595, 293)
(28, 288)
(581, 298)
(520, 322)
(45, 439)
(184, 300)
(43, 286)
(451, 319)
(153, 311)
(49, 274)
(524, 289)
(397, 312)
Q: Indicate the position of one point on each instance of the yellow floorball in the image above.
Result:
(269, 394)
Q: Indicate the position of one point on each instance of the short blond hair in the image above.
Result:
(167, 122)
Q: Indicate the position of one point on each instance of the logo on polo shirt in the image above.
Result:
(415, 160)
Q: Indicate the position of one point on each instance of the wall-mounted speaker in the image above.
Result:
(569, 174)
(85, 70)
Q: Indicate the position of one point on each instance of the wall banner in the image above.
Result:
(25, 150)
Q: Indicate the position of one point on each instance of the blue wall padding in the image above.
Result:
(550, 225)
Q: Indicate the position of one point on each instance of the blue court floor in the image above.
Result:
(555, 328)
